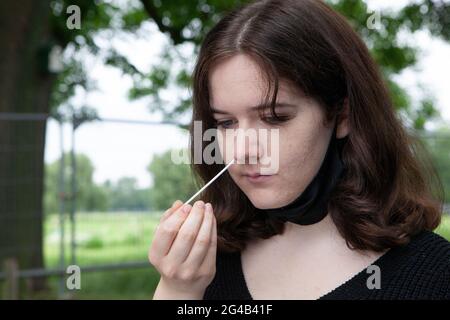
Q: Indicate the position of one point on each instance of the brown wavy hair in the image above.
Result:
(389, 191)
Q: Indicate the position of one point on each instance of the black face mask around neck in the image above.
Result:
(311, 206)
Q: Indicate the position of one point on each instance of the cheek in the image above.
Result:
(300, 150)
(296, 147)
(294, 162)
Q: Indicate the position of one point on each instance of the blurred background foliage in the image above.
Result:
(186, 22)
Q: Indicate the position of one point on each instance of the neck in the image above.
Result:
(322, 230)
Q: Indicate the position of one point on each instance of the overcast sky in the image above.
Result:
(118, 150)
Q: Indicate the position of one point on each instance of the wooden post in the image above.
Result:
(11, 269)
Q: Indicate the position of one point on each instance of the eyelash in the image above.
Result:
(270, 120)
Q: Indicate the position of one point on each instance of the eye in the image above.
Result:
(276, 120)
(223, 124)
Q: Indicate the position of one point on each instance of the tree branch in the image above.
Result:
(152, 11)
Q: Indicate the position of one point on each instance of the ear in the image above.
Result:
(343, 127)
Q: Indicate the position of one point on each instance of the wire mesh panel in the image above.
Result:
(90, 203)
(82, 219)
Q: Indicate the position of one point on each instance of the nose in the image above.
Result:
(246, 147)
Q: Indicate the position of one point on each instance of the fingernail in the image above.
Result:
(187, 208)
(208, 206)
(176, 203)
(200, 204)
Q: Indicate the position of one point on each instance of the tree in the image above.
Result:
(24, 87)
(438, 144)
(126, 195)
(30, 30)
(170, 181)
(89, 196)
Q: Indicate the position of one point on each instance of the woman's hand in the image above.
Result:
(184, 251)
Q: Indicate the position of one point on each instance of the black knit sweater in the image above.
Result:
(417, 270)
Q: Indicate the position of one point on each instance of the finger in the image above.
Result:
(210, 258)
(202, 242)
(171, 210)
(187, 234)
(175, 206)
(167, 231)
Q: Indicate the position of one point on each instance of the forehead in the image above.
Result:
(237, 84)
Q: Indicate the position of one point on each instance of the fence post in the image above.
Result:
(61, 199)
(11, 269)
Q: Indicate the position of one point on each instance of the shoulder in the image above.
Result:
(419, 269)
(430, 248)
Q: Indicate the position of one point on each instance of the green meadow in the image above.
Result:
(111, 238)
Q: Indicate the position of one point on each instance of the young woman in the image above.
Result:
(350, 210)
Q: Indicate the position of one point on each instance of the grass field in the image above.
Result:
(113, 238)
(107, 238)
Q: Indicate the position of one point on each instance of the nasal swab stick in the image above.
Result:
(211, 181)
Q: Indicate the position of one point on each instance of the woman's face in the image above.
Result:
(236, 86)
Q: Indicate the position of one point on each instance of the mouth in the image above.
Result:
(258, 178)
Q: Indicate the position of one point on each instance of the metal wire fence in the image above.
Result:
(95, 241)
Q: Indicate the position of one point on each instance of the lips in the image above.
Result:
(255, 174)
(252, 175)
(258, 178)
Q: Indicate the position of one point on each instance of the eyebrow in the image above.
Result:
(258, 107)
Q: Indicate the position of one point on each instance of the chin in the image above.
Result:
(264, 200)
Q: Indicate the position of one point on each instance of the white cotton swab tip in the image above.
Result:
(211, 181)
